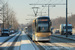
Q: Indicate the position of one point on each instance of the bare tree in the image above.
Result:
(62, 20)
(8, 18)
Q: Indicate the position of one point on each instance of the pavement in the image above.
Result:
(26, 43)
(70, 37)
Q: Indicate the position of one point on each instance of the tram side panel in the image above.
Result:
(30, 31)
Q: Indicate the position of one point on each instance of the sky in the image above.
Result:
(24, 10)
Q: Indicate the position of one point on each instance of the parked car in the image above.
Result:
(16, 31)
(5, 32)
(57, 32)
(11, 31)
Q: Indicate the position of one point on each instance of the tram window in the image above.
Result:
(50, 23)
(42, 29)
(38, 29)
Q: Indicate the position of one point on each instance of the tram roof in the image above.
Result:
(41, 16)
(36, 18)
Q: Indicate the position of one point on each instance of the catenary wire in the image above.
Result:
(44, 7)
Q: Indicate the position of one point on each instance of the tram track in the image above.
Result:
(33, 43)
(63, 37)
(56, 43)
(67, 41)
(39, 46)
(45, 46)
(18, 38)
(52, 45)
(8, 39)
(9, 44)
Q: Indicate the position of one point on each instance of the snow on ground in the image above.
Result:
(26, 44)
(2, 39)
(16, 34)
(13, 34)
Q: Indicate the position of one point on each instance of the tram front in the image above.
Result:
(43, 31)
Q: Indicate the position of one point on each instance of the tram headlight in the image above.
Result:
(49, 33)
(36, 34)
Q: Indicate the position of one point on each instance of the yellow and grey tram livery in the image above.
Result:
(40, 29)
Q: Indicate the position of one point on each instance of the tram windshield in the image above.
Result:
(43, 24)
(43, 27)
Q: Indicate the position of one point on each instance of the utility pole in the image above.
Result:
(66, 20)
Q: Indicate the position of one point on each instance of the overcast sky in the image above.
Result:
(23, 9)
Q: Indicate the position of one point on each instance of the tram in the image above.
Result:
(26, 30)
(40, 29)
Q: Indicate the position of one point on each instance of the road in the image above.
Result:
(20, 41)
(57, 43)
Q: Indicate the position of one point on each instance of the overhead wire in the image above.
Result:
(37, 9)
(60, 1)
(43, 0)
(36, 2)
(1, 1)
(44, 7)
(57, 3)
(54, 1)
(49, 2)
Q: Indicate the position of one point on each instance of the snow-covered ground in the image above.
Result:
(26, 44)
(23, 42)
(14, 34)
(4, 38)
